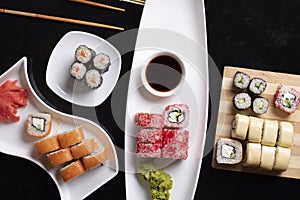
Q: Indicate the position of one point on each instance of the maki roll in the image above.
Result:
(84, 54)
(242, 101)
(257, 86)
(77, 70)
(260, 105)
(229, 151)
(240, 126)
(101, 62)
(93, 79)
(176, 116)
(241, 80)
(286, 98)
(38, 124)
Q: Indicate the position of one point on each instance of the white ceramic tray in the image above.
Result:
(14, 141)
(58, 77)
(177, 26)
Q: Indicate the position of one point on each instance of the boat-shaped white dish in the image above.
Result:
(58, 76)
(14, 141)
(179, 27)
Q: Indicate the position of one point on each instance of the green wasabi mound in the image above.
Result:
(160, 181)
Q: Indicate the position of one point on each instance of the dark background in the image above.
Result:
(255, 34)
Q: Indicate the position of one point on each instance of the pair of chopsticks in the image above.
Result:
(62, 19)
(139, 2)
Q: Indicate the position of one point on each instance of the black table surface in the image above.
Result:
(254, 34)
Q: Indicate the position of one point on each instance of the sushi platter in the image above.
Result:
(284, 115)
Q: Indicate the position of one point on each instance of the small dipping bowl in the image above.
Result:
(163, 73)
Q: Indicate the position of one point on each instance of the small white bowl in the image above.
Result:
(146, 82)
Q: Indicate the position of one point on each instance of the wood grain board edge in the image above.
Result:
(227, 113)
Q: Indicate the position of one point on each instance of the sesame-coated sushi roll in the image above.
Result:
(286, 98)
(241, 80)
(242, 101)
(101, 62)
(84, 54)
(93, 79)
(229, 151)
(176, 116)
(77, 70)
(149, 120)
(257, 85)
(260, 105)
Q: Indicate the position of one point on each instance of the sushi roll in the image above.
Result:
(241, 80)
(285, 134)
(257, 86)
(240, 126)
(286, 99)
(255, 129)
(242, 101)
(270, 132)
(149, 120)
(38, 124)
(77, 70)
(267, 157)
(84, 54)
(252, 155)
(101, 62)
(260, 105)
(229, 151)
(176, 116)
(282, 158)
(93, 79)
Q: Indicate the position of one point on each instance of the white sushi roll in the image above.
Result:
(229, 151)
(242, 101)
(270, 132)
(267, 157)
(255, 129)
(240, 126)
(93, 79)
(286, 133)
(260, 105)
(257, 85)
(252, 155)
(282, 158)
(101, 62)
(84, 54)
(241, 80)
(77, 70)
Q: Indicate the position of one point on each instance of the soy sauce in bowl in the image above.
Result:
(164, 73)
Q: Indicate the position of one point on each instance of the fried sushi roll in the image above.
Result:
(252, 155)
(240, 126)
(101, 62)
(286, 133)
(255, 129)
(229, 151)
(257, 86)
(242, 101)
(267, 157)
(282, 158)
(270, 132)
(241, 80)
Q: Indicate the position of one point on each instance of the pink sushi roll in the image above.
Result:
(175, 144)
(286, 98)
(147, 150)
(150, 135)
(148, 120)
(176, 116)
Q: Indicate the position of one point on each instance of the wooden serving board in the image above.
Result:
(227, 112)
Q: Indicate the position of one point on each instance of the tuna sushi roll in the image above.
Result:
(101, 62)
(77, 70)
(84, 54)
(242, 101)
(241, 80)
(93, 78)
(229, 151)
(286, 98)
(257, 86)
(260, 105)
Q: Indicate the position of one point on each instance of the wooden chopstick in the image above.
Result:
(135, 2)
(62, 19)
(98, 4)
